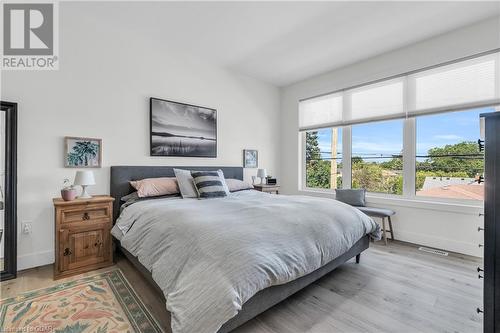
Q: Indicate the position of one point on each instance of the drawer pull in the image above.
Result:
(479, 276)
(479, 269)
(480, 144)
(478, 310)
(98, 244)
(67, 252)
(86, 216)
(479, 229)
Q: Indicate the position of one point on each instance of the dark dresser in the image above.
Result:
(491, 274)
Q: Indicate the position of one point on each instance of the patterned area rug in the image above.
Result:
(103, 303)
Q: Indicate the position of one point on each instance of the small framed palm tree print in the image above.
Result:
(82, 152)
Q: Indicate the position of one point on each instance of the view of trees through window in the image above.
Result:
(377, 163)
(448, 160)
(324, 164)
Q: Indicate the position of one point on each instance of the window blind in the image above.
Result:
(456, 86)
(467, 84)
(379, 101)
(324, 111)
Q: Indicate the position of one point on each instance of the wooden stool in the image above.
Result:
(382, 213)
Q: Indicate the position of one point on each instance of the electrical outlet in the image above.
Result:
(26, 227)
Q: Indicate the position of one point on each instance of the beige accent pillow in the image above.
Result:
(153, 187)
(185, 182)
(235, 185)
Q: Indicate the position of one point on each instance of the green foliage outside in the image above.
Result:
(468, 165)
(386, 177)
(318, 170)
(312, 146)
(375, 178)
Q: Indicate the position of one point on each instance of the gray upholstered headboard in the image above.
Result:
(122, 175)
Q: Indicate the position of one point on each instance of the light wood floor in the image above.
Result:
(394, 289)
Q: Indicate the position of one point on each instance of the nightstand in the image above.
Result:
(82, 233)
(267, 188)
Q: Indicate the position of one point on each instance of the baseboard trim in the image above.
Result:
(35, 260)
(439, 243)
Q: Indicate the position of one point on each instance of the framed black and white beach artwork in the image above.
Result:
(250, 158)
(179, 129)
(82, 152)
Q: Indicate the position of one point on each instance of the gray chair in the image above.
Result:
(357, 198)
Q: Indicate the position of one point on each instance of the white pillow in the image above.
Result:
(236, 185)
(186, 184)
(224, 184)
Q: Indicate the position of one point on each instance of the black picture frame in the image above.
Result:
(180, 154)
(10, 192)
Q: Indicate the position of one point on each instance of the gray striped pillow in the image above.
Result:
(208, 184)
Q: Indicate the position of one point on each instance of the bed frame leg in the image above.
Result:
(357, 258)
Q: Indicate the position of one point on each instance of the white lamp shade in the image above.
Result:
(84, 178)
(262, 173)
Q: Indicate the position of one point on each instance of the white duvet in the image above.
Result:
(210, 256)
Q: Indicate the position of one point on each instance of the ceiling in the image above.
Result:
(285, 42)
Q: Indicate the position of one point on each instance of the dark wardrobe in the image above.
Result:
(491, 274)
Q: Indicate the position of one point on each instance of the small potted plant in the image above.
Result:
(68, 192)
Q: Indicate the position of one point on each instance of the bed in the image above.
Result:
(273, 246)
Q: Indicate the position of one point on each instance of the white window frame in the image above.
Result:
(409, 148)
(409, 168)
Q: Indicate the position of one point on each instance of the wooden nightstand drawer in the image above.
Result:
(83, 235)
(86, 213)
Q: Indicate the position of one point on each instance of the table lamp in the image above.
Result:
(84, 179)
(262, 174)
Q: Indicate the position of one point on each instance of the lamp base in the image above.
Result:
(84, 194)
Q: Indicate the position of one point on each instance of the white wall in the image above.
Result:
(107, 74)
(443, 226)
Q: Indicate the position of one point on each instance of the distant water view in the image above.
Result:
(182, 145)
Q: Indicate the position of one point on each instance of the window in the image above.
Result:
(324, 158)
(448, 160)
(377, 162)
(430, 116)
